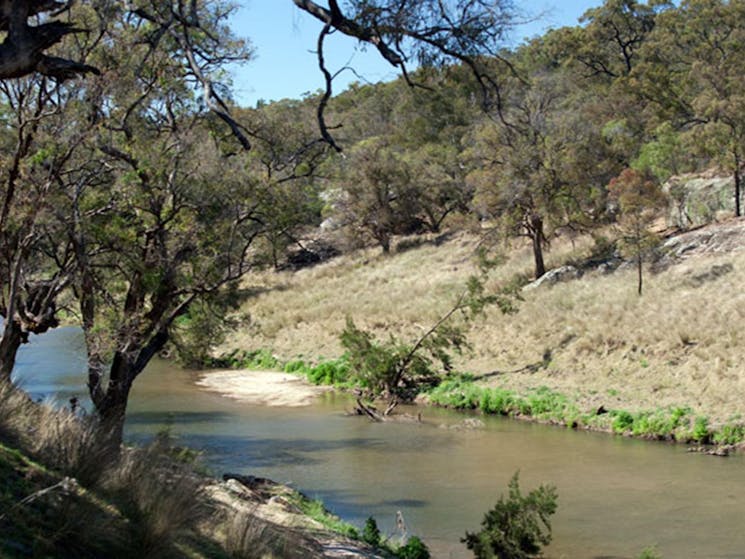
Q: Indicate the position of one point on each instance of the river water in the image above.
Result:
(616, 496)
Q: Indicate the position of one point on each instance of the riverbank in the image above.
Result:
(67, 493)
(587, 336)
(468, 393)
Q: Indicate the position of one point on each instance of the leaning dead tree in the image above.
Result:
(24, 49)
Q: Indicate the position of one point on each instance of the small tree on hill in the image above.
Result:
(395, 371)
(517, 527)
(639, 200)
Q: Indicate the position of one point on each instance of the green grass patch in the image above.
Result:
(335, 372)
(262, 359)
(541, 403)
(729, 434)
(672, 423)
(315, 509)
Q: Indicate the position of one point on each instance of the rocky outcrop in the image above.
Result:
(268, 513)
(563, 273)
(699, 199)
(721, 238)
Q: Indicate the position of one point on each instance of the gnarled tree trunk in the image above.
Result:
(537, 237)
(23, 51)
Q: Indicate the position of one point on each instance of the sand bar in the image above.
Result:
(265, 388)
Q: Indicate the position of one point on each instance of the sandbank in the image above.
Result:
(265, 388)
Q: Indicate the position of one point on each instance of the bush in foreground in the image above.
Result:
(517, 527)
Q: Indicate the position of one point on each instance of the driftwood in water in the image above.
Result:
(372, 413)
(369, 411)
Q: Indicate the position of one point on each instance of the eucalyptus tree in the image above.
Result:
(536, 170)
(693, 70)
(39, 143)
(639, 198)
(438, 177)
(173, 218)
(614, 33)
(284, 161)
(377, 198)
(43, 129)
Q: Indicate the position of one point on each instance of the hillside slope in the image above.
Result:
(591, 338)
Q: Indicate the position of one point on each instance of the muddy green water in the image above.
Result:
(616, 496)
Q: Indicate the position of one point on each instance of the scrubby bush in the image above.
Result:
(371, 532)
(394, 369)
(650, 553)
(517, 527)
(413, 549)
(330, 372)
(730, 434)
(622, 421)
(701, 432)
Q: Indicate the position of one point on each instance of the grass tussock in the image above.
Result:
(251, 537)
(66, 492)
(592, 339)
(163, 501)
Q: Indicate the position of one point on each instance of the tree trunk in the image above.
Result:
(9, 343)
(111, 404)
(535, 231)
(639, 271)
(738, 188)
(385, 242)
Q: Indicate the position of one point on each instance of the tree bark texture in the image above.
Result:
(23, 51)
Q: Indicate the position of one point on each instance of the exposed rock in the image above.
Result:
(699, 199)
(468, 424)
(716, 238)
(270, 508)
(552, 277)
(722, 451)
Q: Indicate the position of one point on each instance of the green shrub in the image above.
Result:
(650, 553)
(517, 527)
(330, 372)
(701, 429)
(622, 421)
(296, 366)
(414, 549)
(259, 359)
(371, 533)
(730, 434)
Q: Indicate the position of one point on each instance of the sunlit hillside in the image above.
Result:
(592, 338)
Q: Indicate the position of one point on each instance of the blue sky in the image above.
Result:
(284, 38)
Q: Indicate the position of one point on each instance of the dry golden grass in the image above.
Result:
(679, 344)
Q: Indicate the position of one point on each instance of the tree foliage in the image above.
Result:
(639, 199)
(517, 527)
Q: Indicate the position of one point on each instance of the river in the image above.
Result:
(616, 496)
